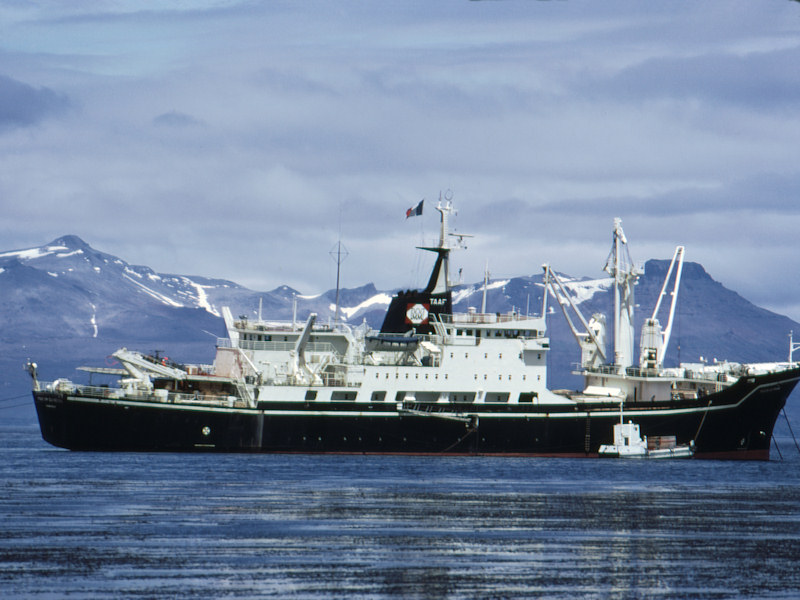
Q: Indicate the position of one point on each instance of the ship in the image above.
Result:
(430, 381)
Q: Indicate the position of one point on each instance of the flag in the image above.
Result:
(415, 210)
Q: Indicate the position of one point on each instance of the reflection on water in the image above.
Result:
(169, 525)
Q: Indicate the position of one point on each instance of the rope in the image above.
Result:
(703, 420)
(14, 405)
(774, 441)
(785, 416)
(472, 429)
(14, 397)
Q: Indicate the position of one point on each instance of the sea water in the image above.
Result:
(142, 525)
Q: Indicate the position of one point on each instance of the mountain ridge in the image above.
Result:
(67, 304)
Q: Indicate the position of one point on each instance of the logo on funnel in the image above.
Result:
(417, 314)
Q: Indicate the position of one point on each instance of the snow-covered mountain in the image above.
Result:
(65, 304)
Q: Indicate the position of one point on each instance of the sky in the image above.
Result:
(242, 140)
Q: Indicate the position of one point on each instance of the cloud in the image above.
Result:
(22, 105)
(756, 81)
(273, 129)
(175, 119)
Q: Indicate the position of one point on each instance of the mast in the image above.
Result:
(620, 266)
(439, 282)
(485, 287)
(654, 341)
(414, 310)
(339, 253)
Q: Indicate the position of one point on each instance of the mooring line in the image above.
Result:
(774, 441)
(10, 398)
(14, 405)
(785, 416)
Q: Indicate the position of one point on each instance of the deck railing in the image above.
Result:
(688, 374)
(318, 347)
(160, 396)
(482, 318)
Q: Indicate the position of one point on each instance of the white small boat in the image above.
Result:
(628, 443)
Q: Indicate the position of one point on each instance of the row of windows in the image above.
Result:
(485, 355)
(257, 337)
(436, 376)
(499, 356)
(416, 376)
(311, 395)
(499, 333)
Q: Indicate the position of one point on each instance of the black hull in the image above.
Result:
(735, 423)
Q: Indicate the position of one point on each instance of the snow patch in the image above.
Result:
(202, 297)
(500, 283)
(160, 297)
(379, 299)
(32, 253)
(585, 290)
(463, 294)
(93, 321)
(52, 274)
(66, 254)
(97, 269)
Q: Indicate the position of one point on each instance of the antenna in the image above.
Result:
(485, 287)
(339, 253)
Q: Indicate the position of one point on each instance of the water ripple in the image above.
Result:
(93, 525)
